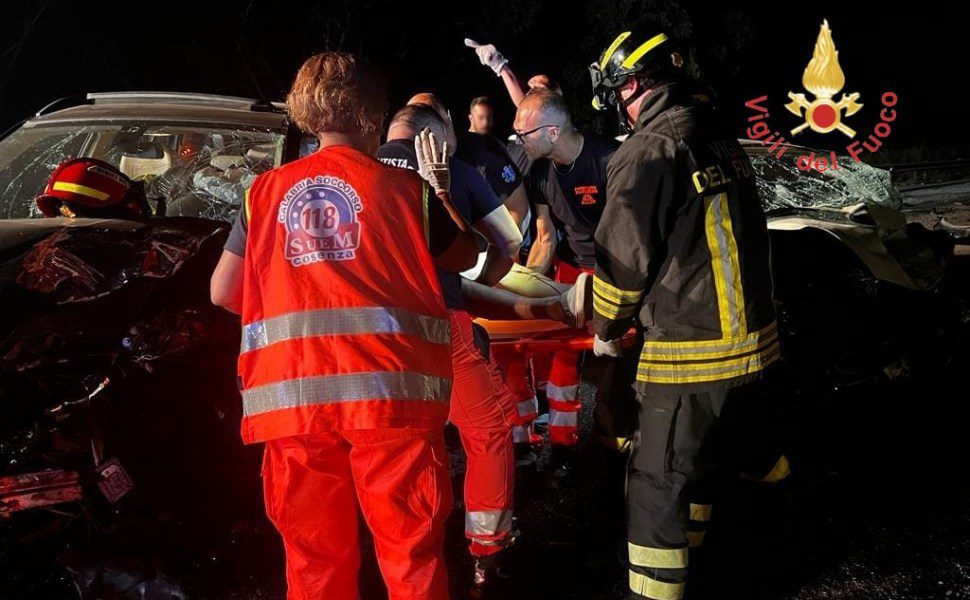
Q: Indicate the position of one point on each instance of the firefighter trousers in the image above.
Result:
(313, 486)
(681, 449)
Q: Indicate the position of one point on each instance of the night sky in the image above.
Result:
(744, 49)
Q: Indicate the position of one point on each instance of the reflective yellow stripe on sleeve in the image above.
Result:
(612, 312)
(613, 302)
(246, 208)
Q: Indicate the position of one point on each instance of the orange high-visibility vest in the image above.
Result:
(344, 325)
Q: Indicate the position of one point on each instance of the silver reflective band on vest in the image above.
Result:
(487, 522)
(347, 387)
(344, 321)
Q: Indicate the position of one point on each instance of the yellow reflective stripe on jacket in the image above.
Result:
(613, 302)
(247, 210)
(700, 372)
(725, 265)
(654, 351)
(657, 558)
(654, 588)
(645, 47)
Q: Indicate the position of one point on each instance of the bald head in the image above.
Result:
(544, 82)
(548, 107)
(411, 119)
(434, 102)
(429, 99)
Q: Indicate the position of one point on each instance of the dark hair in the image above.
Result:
(483, 100)
(333, 91)
(416, 117)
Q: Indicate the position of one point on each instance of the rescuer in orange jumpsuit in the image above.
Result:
(345, 362)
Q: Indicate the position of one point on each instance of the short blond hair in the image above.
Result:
(333, 91)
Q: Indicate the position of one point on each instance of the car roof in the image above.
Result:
(163, 107)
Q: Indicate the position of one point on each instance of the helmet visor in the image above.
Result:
(602, 88)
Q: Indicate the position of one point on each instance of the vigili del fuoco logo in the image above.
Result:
(823, 79)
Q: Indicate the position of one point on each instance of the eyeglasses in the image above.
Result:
(520, 137)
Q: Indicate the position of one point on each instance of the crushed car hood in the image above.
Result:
(90, 301)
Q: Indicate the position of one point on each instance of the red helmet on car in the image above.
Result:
(90, 187)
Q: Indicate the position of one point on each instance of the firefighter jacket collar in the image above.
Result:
(678, 92)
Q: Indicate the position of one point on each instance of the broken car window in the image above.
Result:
(199, 171)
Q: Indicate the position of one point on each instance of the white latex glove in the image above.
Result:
(607, 348)
(488, 55)
(432, 160)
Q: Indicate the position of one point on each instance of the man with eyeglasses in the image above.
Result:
(568, 185)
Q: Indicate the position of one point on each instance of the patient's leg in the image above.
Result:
(526, 282)
(501, 304)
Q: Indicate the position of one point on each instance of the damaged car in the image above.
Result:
(118, 406)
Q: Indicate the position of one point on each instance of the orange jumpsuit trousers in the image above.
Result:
(484, 412)
(313, 485)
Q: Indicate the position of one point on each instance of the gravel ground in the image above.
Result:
(878, 507)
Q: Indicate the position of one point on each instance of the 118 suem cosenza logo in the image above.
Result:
(320, 215)
(823, 77)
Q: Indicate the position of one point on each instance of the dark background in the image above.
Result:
(252, 48)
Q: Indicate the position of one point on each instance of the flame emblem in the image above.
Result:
(824, 78)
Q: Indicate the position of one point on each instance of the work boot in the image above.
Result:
(559, 472)
(525, 456)
(489, 576)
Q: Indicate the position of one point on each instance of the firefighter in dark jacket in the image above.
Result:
(682, 251)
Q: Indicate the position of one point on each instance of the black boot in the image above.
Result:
(559, 472)
(489, 577)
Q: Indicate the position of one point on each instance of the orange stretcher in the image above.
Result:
(539, 335)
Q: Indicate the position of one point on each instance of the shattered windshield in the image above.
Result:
(781, 184)
(199, 171)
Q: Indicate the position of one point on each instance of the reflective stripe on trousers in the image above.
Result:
(563, 419)
(562, 393)
(484, 524)
(655, 589)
